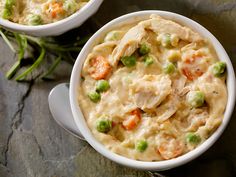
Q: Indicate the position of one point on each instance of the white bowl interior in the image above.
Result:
(160, 165)
(58, 27)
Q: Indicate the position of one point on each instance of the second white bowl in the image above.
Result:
(56, 28)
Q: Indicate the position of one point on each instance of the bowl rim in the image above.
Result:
(21, 27)
(157, 165)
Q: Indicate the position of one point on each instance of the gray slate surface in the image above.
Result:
(33, 145)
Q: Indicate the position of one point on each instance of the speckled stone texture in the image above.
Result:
(33, 145)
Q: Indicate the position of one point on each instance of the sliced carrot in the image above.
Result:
(100, 68)
(132, 121)
(188, 61)
(170, 149)
(191, 69)
(137, 113)
(193, 58)
(188, 73)
(55, 8)
(192, 74)
(198, 55)
(198, 72)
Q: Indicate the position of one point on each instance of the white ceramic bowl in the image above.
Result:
(161, 165)
(56, 28)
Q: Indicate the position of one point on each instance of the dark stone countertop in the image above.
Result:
(33, 145)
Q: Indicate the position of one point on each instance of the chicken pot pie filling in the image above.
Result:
(153, 91)
(38, 12)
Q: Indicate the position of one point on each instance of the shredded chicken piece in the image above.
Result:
(197, 118)
(215, 92)
(160, 25)
(169, 146)
(167, 108)
(128, 44)
(179, 82)
(150, 90)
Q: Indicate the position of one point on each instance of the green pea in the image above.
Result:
(104, 126)
(219, 69)
(193, 138)
(70, 6)
(169, 68)
(34, 19)
(10, 3)
(144, 49)
(102, 86)
(148, 60)
(166, 40)
(6, 14)
(196, 98)
(141, 145)
(94, 96)
(113, 36)
(129, 61)
(8, 9)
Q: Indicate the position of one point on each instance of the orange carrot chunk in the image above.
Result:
(100, 68)
(188, 74)
(170, 147)
(191, 69)
(132, 121)
(56, 9)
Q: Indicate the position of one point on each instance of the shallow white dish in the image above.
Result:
(160, 165)
(56, 28)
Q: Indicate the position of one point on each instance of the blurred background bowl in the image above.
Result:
(56, 28)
